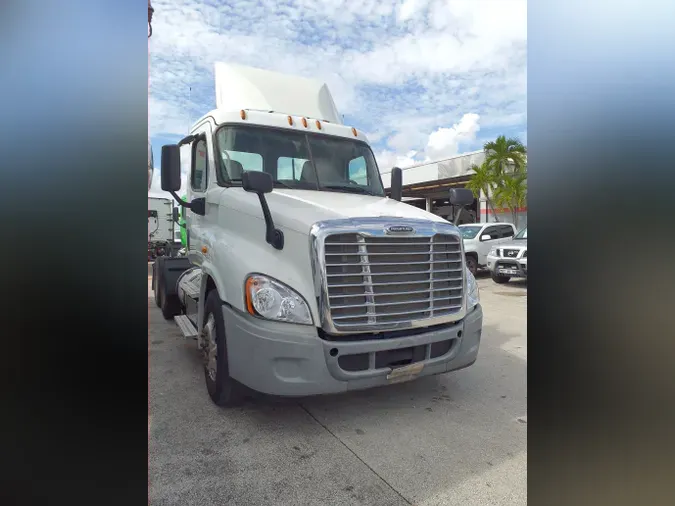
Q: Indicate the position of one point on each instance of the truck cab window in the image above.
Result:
(358, 171)
(199, 173)
(300, 161)
(290, 169)
(506, 231)
(493, 232)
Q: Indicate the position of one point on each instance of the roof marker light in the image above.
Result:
(290, 120)
(318, 124)
(304, 122)
(242, 114)
(354, 132)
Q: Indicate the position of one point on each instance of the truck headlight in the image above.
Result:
(273, 300)
(472, 293)
(494, 252)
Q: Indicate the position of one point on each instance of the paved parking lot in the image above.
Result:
(459, 438)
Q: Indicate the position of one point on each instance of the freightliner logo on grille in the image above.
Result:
(399, 229)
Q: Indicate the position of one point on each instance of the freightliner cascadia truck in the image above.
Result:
(301, 276)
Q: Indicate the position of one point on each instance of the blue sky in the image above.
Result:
(425, 79)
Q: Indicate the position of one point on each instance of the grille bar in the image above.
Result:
(409, 292)
(393, 283)
(425, 243)
(431, 271)
(407, 253)
(400, 313)
(423, 301)
(395, 263)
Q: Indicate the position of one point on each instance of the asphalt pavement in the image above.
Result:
(458, 438)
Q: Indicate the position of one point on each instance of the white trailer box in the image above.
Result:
(160, 220)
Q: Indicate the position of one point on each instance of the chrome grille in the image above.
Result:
(385, 281)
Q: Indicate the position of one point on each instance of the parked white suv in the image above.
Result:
(480, 238)
(509, 260)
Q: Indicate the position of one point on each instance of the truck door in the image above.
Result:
(199, 180)
(486, 245)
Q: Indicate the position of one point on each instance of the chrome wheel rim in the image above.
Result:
(211, 351)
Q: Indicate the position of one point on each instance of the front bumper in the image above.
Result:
(292, 360)
(513, 267)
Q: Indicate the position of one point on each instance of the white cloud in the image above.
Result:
(388, 159)
(407, 9)
(444, 142)
(412, 72)
(441, 143)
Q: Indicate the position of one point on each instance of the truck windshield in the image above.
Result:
(469, 232)
(298, 160)
(522, 234)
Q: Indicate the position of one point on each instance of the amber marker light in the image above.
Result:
(242, 113)
(251, 283)
(304, 122)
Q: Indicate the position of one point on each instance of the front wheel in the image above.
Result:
(500, 279)
(223, 390)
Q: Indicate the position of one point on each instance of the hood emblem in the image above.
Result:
(399, 229)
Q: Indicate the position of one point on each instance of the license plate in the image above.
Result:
(508, 271)
(405, 373)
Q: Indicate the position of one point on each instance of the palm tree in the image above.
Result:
(512, 193)
(502, 154)
(483, 180)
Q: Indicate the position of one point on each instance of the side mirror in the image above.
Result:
(257, 182)
(175, 214)
(171, 168)
(396, 184)
(461, 197)
(262, 183)
(485, 237)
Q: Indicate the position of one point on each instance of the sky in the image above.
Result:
(424, 79)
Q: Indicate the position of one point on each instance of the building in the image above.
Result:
(427, 185)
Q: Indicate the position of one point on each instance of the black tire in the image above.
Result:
(472, 264)
(224, 391)
(155, 290)
(169, 304)
(500, 279)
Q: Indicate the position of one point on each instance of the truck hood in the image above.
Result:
(299, 209)
(515, 244)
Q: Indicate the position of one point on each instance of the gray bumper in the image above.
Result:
(291, 360)
(519, 265)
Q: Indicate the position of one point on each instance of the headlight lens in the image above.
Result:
(494, 252)
(273, 300)
(472, 293)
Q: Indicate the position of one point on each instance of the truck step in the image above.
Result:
(185, 325)
(190, 289)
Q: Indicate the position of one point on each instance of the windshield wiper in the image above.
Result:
(350, 189)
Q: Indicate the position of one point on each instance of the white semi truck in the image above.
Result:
(301, 277)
